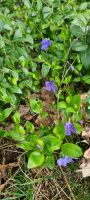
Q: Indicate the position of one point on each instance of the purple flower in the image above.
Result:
(64, 161)
(72, 68)
(45, 44)
(50, 86)
(69, 128)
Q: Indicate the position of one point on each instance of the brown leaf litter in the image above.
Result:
(8, 161)
(86, 132)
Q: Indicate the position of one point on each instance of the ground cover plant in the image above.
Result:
(44, 83)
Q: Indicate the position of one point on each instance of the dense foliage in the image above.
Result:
(44, 65)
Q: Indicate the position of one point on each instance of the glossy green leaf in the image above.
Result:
(78, 128)
(59, 131)
(29, 127)
(36, 106)
(71, 150)
(35, 159)
(25, 145)
(50, 162)
(5, 113)
(51, 143)
(16, 117)
(61, 105)
(15, 89)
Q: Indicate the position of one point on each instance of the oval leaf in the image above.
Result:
(71, 150)
(35, 159)
(5, 113)
(45, 70)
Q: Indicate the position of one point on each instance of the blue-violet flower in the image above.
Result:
(50, 86)
(72, 68)
(64, 161)
(69, 128)
(45, 44)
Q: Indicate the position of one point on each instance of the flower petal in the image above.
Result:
(45, 44)
(64, 161)
(67, 128)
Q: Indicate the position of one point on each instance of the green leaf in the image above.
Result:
(30, 127)
(16, 134)
(76, 102)
(50, 162)
(79, 46)
(76, 80)
(85, 58)
(45, 70)
(51, 143)
(7, 27)
(61, 105)
(40, 143)
(78, 128)
(76, 30)
(16, 117)
(39, 4)
(67, 79)
(5, 113)
(27, 3)
(29, 39)
(2, 44)
(46, 11)
(21, 130)
(80, 20)
(86, 79)
(83, 6)
(18, 34)
(25, 145)
(71, 110)
(2, 133)
(36, 106)
(71, 150)
(35, 159)
(15, 89)
(59, 131)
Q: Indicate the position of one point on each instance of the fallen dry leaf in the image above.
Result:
(47, 97)
(85, 168)
(24, 110)
(2, 186)
(10, 165)
(86, 132)
(47, 121)
(87, 154)
(83, 104)
(9, 127)
(85, 141)
(3, 168)
(83, 96)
